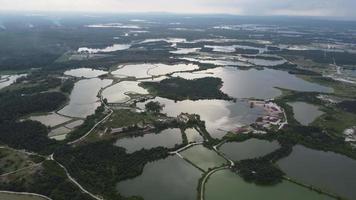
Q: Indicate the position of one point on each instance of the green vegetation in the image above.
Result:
(29, 135)
(261, 57)
(88, 124)
(180, 89)
(14, 104)
(99, 166)
(324, 57)
(348, 106)
(340, 88)
(124, 117)
(154, 107)
(67, 86)
(259, 171)
(11, 160)
(48, 179)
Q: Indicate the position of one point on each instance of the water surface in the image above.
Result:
(305, 113)
(51, 119)
(166, 138)
(227, 185)
(219, 116)
(112, 48)
(261, 83)
(85, 72)
(327, 170)
(203, 157)
(83, 99)
(7, 80)
(118, 92)
(248, 149)
(171, 178)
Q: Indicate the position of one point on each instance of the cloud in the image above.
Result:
(339, 8)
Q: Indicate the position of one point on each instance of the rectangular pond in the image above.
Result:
(203, 157)
(326, 170)
(248, 149)
(171, 178)
(166, 138)
(228, 185)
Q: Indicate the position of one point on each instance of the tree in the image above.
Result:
(154, 106)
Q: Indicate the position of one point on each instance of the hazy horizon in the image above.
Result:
(307, 8)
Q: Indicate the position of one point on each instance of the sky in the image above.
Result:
(325, 8)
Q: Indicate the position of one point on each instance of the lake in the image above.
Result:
(261, 84)
(83, 98)
(305, 113)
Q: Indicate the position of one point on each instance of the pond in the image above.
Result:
(112, 48)
(85, 72)
(50, 119)
(326, 170)
(193, 135)
(171, 178)
(219, 116)
(228, 185)
(118, 92)
(166, 138)
(83, 99)
(62, 130)
(261, 84)
(203, 157)
(305, 113)
(248, 149)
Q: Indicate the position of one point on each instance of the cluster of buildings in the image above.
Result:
(350, 134)
(273, 117)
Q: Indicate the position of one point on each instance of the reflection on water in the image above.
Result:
(261, 83)
(117, 93)
(149, 70)
(220, 116)
(83, 99)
